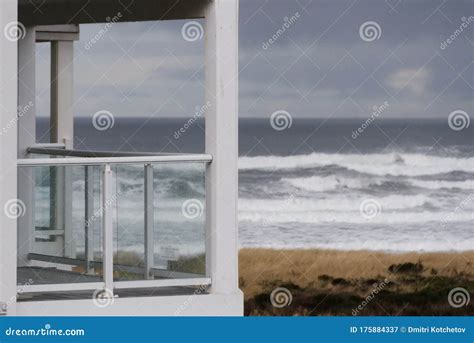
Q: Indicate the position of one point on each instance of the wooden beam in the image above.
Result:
(51, 33)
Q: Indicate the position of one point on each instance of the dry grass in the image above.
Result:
(303, 268)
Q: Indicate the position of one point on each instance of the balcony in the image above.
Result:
(111, 225)
(108, 224)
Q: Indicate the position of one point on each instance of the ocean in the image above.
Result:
(400, 185)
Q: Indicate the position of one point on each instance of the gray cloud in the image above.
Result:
(319, 67)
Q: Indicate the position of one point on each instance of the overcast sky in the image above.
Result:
(321, 66)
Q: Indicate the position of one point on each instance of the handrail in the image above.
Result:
(57, 146)
(87, 161)
(88, 153)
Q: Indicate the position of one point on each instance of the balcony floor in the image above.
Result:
(41, 276)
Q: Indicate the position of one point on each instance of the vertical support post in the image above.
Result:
(8, 156)
(89, 216)
(62, 131)
(149, 221)
(26, 138)
(221, 21)
(107, 227)
(62, 92)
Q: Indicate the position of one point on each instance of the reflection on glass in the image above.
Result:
(178, 222)
(52, 249)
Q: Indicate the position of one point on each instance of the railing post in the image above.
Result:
(107, 227)
(69, 242)
(149, 221)
(89, 218)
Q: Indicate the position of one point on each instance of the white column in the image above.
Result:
(62, 92)
(62, 131)
(221, 142)
(8, 156)
(26, 138)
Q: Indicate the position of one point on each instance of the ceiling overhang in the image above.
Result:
(60, 12)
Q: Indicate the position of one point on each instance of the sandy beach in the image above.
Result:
(330, 282)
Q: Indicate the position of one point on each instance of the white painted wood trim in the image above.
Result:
(43, 37)
(162, 283)
(67, 28)
(50, 33)
(8, 155)
(62, 92)
(60, 287)
(159, 305)
(222, 143)
(86, 286)
(62, 131)
(26, 137)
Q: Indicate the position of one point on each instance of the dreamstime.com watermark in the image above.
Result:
(288, 200)
(44, 331)
(21, 111)
(370, 31)
(459, 120)
(377, 111)
(14, 31)
(103, 31)
(465, 22)
(14, 208)
(192, 208)
(200, 111)
(370, 208)
(21, 289)
(98, 214)
(288, 22)
(281, 297)
(462, 205)
(202, 289)
(103, 120)
(103, 298)
(192, 31)
(377, 288)
(459, 297)
(281, 120)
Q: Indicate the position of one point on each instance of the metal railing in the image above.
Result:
(104, 159)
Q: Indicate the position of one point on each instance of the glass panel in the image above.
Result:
(52, 228)
(179, 221)
(129, 223)
(180, 230)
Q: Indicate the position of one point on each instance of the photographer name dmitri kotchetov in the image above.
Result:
(435, 329)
